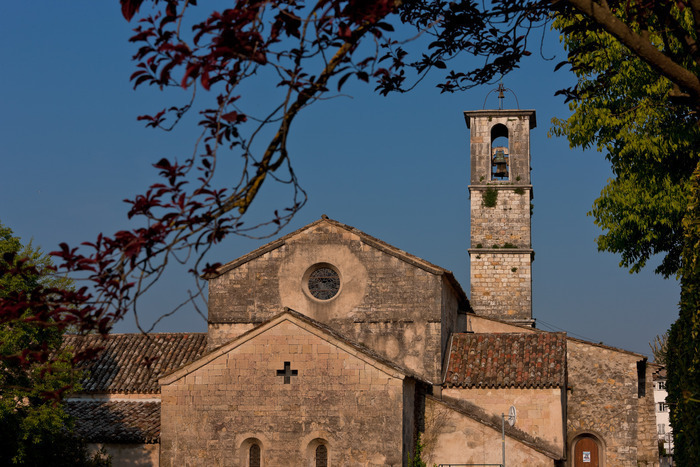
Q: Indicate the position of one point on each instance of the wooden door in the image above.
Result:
(586, 453)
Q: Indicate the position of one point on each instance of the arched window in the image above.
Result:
(254, 455)
(318, 453)
(321, 456)
(500, 153)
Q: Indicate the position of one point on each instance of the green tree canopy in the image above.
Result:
(624, 109)
(649, 130)
(34, 428)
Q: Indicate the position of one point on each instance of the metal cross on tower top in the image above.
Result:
(501, 96)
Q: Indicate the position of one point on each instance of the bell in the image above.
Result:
(501, 164)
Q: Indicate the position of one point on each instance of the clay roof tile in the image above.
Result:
(521, 360)
(132, 363)
(116, 421)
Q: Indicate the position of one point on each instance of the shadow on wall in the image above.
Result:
(129, 455)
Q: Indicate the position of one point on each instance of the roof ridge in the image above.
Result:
(140, 333)
(318, 325)
(423, 263)
(568, 337)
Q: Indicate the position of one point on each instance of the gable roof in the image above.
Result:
(311, 325)
(368, 239)
(115, 422)
(132, 363)
(499, 360)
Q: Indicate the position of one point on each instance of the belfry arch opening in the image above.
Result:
(500, 153)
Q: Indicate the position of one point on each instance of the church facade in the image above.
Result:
(329, 347)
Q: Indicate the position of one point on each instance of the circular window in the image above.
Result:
(324, 283)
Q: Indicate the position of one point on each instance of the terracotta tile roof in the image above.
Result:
(521, 360)
(132, 363)
(116, 421)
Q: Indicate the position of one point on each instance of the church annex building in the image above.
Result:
(329, 347)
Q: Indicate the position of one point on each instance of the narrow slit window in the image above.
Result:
(254, 456)
(641, 378)
(321, 456)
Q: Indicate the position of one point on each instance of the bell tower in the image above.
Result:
(501, 252)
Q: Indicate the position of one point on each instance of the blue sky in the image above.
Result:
(395, 167)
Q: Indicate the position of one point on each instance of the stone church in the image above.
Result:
(329, 347)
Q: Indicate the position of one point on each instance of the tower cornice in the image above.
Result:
(501, 113)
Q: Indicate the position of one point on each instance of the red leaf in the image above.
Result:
(205, 80)
(130, 8)
(344, 32)
(231, 116)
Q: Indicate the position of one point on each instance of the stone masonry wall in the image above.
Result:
(501, 283)
(647, 444)
(501, 286)
(391, 306)
(540, 412)
(211, 415)
(454, 438)
(518, 125)
(128, 454)
(507, 222)
(603, 400)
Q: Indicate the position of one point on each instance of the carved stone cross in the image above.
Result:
(287, 373)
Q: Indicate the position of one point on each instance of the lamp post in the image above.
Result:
(512, 415)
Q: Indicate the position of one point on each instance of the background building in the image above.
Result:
(663, 424)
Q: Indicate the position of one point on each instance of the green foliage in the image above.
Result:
(416, 460)
(683, 349)
(624, 110)
(519, 191)
(643, 217)
(490, 198)
(34, 430)
(651, 136)
(509, 245)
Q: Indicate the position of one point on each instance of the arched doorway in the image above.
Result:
(587, 452)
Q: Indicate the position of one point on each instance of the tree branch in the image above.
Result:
(643, 48)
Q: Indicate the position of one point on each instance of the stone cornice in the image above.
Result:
(501, 250)
(499, 186)
(531, 114)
